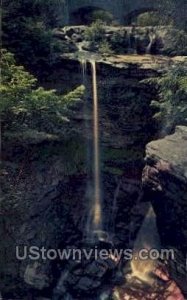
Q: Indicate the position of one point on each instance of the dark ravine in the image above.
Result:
(93, 150)
(49, 208)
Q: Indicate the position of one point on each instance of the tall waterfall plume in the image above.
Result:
(97, 211)
(93, 192)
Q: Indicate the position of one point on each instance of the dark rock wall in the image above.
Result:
(165, 185)
(45, 200)
(165, 178)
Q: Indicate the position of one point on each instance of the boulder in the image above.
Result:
(164, 180)
(60, 34)
(35, 276)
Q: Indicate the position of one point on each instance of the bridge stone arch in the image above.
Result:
(81, 16)
(128, 18)
(122, 10)
(114, 7)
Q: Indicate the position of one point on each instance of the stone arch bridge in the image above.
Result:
(122, 10)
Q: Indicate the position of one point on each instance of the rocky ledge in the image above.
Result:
(119, 39)
(171, 153)
(133, 65)
(165, 185)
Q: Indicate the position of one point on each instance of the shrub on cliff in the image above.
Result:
(95, 32)
(175, 42)
(105, 48)
(27, 31)
(120, 42)
(25, 106)
(171, 107)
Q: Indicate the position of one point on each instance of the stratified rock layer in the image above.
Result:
(165, 184)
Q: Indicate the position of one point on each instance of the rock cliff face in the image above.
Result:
(165, 176)
(165, 185)
(45, 182)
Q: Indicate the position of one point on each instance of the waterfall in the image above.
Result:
(93, 190)
(152, 38)
(89, 189)
(148, 238)
(97, 213)
(84, 67)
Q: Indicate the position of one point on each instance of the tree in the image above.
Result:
(105, 48)
(171, 107)
(174, 9)
(95, 31)
(25, 106)
(27, 31)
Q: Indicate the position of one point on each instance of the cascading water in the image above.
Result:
(89, 188)
(97, 213)
(152, 38)
(148, 238)
(94, 224)
(84, 67)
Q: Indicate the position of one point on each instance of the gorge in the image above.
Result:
(104, 174)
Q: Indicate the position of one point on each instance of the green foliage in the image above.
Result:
(94, 33)
(175, 9)
(100, 15)
(16, 83)
(153, 19)
(71, 153)
(105, 48)
(27, 31)
(25, 105)
(175, 43)
(169, 12)
(171, 107)
(120, 42)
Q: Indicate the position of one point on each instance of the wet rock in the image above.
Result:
(77, 38)
(96, 270)
(89, 46)
(70, 30)
(60, 289)
(35, 276)
(87, 276)
(60, 34)
(86, 284)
